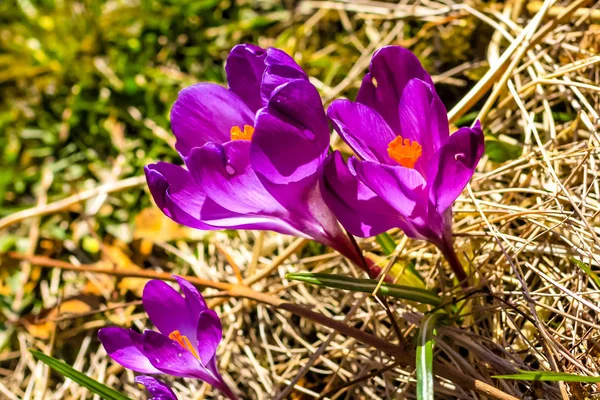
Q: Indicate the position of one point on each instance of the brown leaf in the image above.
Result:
(152, 226)
(116, 255)
(43, 324)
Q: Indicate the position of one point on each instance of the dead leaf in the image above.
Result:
(152, 224)
(116, 256)
(43, 324)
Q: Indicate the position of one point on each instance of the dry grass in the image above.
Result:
(533, 205)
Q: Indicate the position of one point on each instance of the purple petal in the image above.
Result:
(171, 358)
(124, 346)
(325, 228)
(206, 112)
(402, 188)
(291, 137)
(225, 174)
(193, 298)
(280, 69)
(176, 193)
(362, 212)
(236, 199)
(315, 218)
(365, 131)
(390, 70)
(245, 67)
(456, 164)
(157, 389)
(222, 218)
(222, 386)
(168, 310)
(423, 119)
(209, 335)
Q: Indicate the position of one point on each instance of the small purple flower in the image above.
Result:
(157, 389)
(252, 153)
(187, 341)
(409, 169)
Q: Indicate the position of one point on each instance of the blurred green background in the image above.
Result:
(82, 83)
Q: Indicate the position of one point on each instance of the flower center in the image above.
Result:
(184, 342)
(405, 152)
(237, 133)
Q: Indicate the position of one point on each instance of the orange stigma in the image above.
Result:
(237, 134)
(405, 152)
(184, 342)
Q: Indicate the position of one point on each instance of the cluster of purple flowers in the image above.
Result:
(257, 156)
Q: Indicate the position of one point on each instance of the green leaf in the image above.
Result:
(499, 151)
(386, 242)
(586, 268)
(368, 286)
(94, 386)
(549, 377)
(424, 363)
(467, 119)
(405, 273)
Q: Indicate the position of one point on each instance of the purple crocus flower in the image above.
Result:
(187, 341)
(158, 390)
(409, 169)
(252, 154)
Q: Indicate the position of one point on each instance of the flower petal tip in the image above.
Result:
(158, 390)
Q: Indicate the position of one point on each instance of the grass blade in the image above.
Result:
(368, 286)
(585, 268)
(424, 362)
(386, 242)
(82, 379)
(549, 377)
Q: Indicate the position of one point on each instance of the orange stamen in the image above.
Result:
(405, 152)
(184, 342)
(237, 134)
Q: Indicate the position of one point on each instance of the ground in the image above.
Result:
(85, 93)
